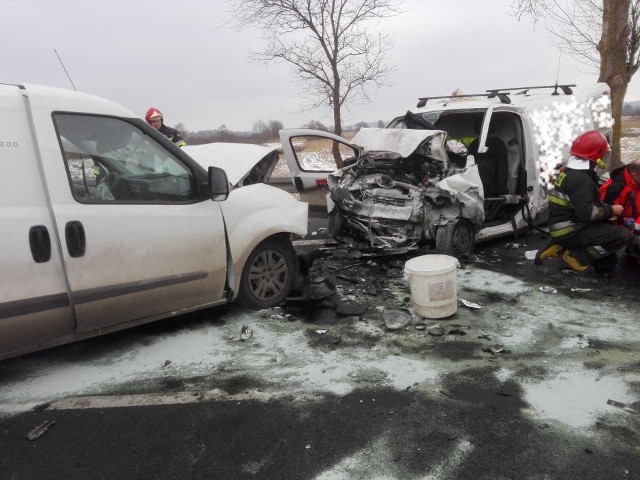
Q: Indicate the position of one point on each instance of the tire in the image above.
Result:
(456, 239)
(268, 274)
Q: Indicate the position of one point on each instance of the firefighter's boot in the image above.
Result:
(548, 252)
(573, 263)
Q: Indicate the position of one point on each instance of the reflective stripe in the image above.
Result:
(558, 201)
(560, 225)
(597, 251)
(562, 231)
(560, 195)
(597, 213)
(181, 143)
(559, 198)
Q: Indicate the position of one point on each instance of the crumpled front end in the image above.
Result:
(388, 202)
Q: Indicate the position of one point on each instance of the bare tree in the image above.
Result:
(604, 34)
(274, 127)
(259, 127)
(334, 47)
(181, 128)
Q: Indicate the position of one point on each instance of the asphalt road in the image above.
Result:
(314, 394)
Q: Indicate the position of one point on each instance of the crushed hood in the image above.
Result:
(403, 141)
(236, 159)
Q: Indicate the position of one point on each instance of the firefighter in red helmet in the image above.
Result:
(580, 234)
(154, 118)
(623, 188)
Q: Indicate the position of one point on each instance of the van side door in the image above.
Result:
(34, 300)
(138, 241)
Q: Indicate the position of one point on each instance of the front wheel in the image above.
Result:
(268, 274)
(455, 238)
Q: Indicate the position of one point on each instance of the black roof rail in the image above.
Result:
(566, 89)
(503, 96)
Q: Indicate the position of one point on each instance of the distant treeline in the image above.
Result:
(631, 109)
(263, 132)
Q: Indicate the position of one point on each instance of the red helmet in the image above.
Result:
(591, 145)
(151, 113)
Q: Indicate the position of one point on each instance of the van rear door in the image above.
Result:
(34, 300)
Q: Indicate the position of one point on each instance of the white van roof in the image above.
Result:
(69, 101)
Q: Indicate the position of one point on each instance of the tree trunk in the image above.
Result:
(613, 64)
(337, 120)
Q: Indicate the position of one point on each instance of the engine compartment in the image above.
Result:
(386, 201)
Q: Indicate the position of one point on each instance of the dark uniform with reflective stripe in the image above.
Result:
(577, 218)
(172, 134)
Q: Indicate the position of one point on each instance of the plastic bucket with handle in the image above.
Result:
(432, 279)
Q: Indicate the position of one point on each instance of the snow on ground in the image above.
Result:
(541, 330)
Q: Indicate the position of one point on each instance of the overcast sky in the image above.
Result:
(177, 57)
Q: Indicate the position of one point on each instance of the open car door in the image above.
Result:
(311, 155)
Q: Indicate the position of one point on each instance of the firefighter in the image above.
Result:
(580, 234)
(623, 188)
(154, 118)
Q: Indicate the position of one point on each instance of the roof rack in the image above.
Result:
(503, 96)
(566, 89)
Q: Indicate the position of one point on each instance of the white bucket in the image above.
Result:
(433, 285)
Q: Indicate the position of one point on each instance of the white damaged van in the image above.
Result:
(106, 224)
(453, 171)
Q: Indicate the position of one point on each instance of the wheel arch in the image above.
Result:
(241, 260)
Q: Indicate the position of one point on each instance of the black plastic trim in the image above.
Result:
(102, 293)
(33, 305)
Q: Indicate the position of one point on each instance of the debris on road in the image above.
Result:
(435, 330)
(41, 406)
(622, 406)
(530, 254)
(321, 332)
(550, 290)
(421, 326)
(496, 349)
(40, 430)
(456, 331)
(583, 341)
(166, 363)
(448, 395)
(348, 306)
(582, 290)
(395, 319)
(511, 246)
(484, 336)
(469, 304)
(347, 277)
(245, 333)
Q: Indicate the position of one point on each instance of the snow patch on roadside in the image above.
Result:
(576, 396)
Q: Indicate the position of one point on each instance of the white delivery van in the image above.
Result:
(106, 224)
(456, 170)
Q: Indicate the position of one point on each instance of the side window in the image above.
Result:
(320, 154)
(110, 160)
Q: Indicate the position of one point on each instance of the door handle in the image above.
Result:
(40, 243)
(76, 241)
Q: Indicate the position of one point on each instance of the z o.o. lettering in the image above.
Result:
(8, 144)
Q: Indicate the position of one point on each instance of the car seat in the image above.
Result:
(493, 166)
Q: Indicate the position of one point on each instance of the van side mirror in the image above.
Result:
(218, 184)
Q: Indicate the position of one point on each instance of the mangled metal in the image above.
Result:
(390, 200)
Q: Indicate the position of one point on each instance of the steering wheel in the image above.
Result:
(112, 180)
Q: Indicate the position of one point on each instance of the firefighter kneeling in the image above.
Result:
(580, 234)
